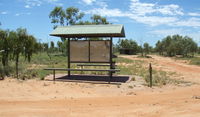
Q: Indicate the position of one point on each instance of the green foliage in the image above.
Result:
(128, 44)
(97, 19)
(146, 49)
(70, 16)
(62, 46)
(57, 15)
(73, 15)
(13, 46)
(176, 45)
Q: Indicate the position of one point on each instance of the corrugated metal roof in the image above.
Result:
(78, 31)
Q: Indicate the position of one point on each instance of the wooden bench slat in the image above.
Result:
(66, 69)
(91, 65)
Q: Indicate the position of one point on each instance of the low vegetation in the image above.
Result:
(192, 60)
(34, 69)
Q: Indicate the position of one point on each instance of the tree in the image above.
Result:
(176, 45)
(4, 46)
(70, 16)
(60, 46)
(97, 19)
(159, 47)
(146, 49)
(19, 40)
(52, 46)
(73, 15)
(46, 47)
(29, 47)
(128, 44)
(12, 45)
(57, 16)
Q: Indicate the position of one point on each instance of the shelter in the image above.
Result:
(89, 51)
(127, 51)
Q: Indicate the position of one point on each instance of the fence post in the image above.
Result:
(150, 74)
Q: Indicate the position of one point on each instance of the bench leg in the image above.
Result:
(110, 77)
(81, 68)
(69, 73)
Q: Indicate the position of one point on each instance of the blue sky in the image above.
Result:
(144, 20)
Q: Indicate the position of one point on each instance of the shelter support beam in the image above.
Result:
(68, 57)
(111, 66)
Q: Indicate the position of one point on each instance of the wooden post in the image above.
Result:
(111, 66)
(150, 75)
(89, 50)
(68, 57)
(54, 77)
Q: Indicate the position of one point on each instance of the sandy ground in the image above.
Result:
(34, 98)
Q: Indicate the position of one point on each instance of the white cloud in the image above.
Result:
(33, 3)
(149, 14)
(154, 14)
(154, 20)
(88, 2)
(27, 6)
(139, 17)
(107, 12)
(101, 4)
(55, 2)
(191, 22)
(141, 8)
(4, 13)
(194, 14)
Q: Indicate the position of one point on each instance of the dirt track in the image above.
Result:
(34, 98)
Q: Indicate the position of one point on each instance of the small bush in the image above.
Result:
(130, 86)
(159, 78)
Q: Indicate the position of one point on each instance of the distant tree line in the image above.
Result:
(176, 45)
(169, 46)
(144, 49)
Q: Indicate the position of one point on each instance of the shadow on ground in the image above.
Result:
(99, 79)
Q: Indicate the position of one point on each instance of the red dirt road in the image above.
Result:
(34, 98)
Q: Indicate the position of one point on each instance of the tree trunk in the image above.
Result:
(16, 63)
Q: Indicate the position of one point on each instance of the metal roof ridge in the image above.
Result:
(91, 25)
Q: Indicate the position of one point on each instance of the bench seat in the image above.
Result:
(67, 69)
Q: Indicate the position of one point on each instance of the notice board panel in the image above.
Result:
(90, 51)
(100, 51)
(79, 51)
